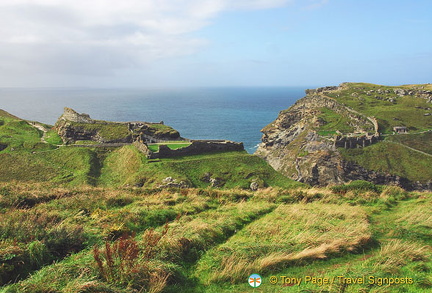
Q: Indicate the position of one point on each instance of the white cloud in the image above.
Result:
(100, 36)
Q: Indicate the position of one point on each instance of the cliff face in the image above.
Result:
(292, 145)
(305, 141)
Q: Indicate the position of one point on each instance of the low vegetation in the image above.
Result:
(392, 158)
(154, 147)
(108, 131)
(91, 239)
(419, 141)
(292, 234)
(332, 122)
(389, 108)
(86, 219)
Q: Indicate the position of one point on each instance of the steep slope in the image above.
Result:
(338, 134)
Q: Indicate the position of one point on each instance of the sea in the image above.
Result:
(233, 113)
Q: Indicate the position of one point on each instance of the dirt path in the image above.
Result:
(404, 145)
(41, 128)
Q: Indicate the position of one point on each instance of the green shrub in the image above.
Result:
(356, 186)
(119, 201)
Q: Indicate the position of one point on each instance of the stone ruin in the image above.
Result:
(195, 148)
(350, 142)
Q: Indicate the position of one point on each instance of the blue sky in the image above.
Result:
(137, 43)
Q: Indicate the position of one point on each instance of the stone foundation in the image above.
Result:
(196, 147)
(350, 142)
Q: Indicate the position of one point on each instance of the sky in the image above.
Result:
(164, 43)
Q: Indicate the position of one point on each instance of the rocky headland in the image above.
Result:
(311, 141)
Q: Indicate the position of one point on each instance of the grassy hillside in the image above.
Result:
(127, 165)
(90, 239)
(389, 157)
(405, 155)
(28, 155)
(421, 141)
(87, 219)
(389, 108)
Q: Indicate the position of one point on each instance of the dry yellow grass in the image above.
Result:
(418, 215)
(291, 234)
(209, 227)
(395, 254)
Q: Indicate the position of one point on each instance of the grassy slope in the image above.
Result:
(333, 121)
(47, 233)
(406, 111)
(392, 158)
(107, 130)
(401, 113)
(233, 169)
(421, 141)
(221, 237)
(27, 158)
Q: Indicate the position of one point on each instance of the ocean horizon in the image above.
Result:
(233, 113)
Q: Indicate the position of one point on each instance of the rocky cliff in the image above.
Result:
(312, 140)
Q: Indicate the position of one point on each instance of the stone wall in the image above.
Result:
(350, 142)
(100, 145)
(196, 147)
(142, 147)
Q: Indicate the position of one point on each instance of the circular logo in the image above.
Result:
(254, 280)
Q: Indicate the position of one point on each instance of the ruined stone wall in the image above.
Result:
(350, 142)
(142, 147)
(196, 147)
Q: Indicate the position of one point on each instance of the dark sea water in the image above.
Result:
(234, 113)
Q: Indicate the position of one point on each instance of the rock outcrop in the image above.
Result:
(73, 116)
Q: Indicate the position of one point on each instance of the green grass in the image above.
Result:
(59, 206)
(53, 138)
(334, 121)
(122, 166)
(32, 160)
(420, 141)
(392, 158)
(290, 235)
(214, 238)
(232, 169)
(162, 129)
(171, 145)
(109, 131)
(64, 165)
(18, 135)
(4, 114)
(402, 112)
